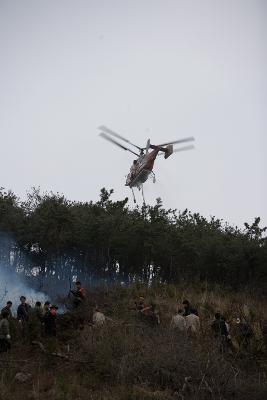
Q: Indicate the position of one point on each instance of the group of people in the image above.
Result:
(45, 316)
(185, 320)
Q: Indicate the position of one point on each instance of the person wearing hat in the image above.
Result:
(50, 328)
(140, 304)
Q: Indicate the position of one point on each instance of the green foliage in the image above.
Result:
(109, 241)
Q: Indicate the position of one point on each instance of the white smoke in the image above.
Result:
(12, 287)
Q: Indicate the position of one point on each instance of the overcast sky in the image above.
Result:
(158, 69)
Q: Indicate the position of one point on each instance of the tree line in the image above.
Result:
(49, 240)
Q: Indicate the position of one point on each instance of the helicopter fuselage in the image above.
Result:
(141, 169)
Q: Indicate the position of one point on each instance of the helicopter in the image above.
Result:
(142, 167)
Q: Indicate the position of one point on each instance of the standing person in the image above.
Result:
(79, 294)
(188, 308)
(245, 333)
(178, 321)
(38, 310)
(46, 307)
(46, 310)
(8, 309)
(23, 310)
(192, 322)
(4, 333)
(23, 314)
(50, 317)
(229, 342)
(219, 326)
(220, 331)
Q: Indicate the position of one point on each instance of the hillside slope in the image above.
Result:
(129, 358)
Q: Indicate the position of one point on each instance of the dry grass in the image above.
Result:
(127, 359)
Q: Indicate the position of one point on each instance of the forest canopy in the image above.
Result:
(53, 239)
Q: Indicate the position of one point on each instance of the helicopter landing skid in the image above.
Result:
(134, 199)
(153, 176)
(140, 187)
(144, 202)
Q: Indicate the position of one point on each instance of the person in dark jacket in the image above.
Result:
(219, 327)
(245, 333)
(46, 308)
(46, 311)
(221, 333)
(23, 311)
(7, 308)
(50, 317)
(23, 314)
(189, 309)
(38, 311)
(79, 295)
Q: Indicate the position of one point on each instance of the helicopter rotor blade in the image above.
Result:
(190, 147)
(110, 132)
(104, 136)
(189, 139)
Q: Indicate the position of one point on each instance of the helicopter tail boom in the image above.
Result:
(168, 150)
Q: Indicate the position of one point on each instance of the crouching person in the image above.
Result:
(178, 323)
(4, 333)
(99, 318)
(192, 323)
